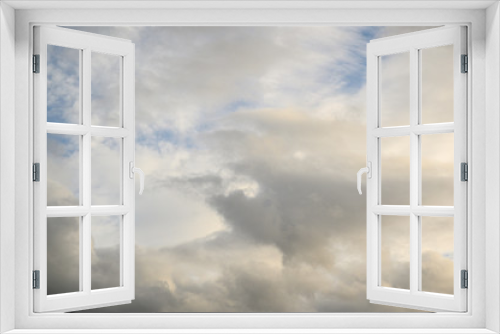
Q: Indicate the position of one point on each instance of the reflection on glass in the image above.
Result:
(395, 170)
(437, 84)
(437, 254)
(394, 88)
(437, 169)
(106, 89)
(63, 85)
(63, 255)
(63, 170)
(395, 251)
(106, 170)
(105, 252)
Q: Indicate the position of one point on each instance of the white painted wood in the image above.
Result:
(257, 331)
(470, 322)
(128, 191)
(76, 129)
(412, 43)
(429, 129)
(249, 4)
(85, 182)
(7, 167)
(492, 186)
(414, 172)
(419, 210)
(433, 211)
(86, 43)
(424, 129)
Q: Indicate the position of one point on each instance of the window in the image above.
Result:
(72, 144)
(483, 236)
(407, 132)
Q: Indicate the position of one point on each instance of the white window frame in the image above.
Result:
(483, 21)
(413, 44)
(86, 44)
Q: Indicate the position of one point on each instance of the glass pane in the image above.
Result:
(106, 171)
(63, 170)
(63, 85)
(63, 255)
(437, 84)
(395, 249)
(437, 254)
(395, 89)
(105, 252)
(395, 170)
(437, 169)
(106, 89)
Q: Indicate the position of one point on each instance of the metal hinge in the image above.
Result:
(465, 279)
(36, 172)
(36, 63)
(465, 64)
(464, 171)
(36, 279)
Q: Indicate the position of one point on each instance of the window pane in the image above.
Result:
(63, 170)
(63, 255)
(395, 170)
(106, 89)
(437, 84)
(106, 171)
(437, 169)
(106, 251)
(63, 85)
(395, 249)
(437, 254)
(395, 89)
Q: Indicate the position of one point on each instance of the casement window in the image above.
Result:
(417, 125)
(84, 131)
(404, 127)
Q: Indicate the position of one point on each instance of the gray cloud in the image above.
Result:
(63, 260)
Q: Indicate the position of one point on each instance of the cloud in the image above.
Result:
(106, 155)
(63, 85)
(105, 257)
(63, 255)
(250, 138)
(63, 160)
(105, 101)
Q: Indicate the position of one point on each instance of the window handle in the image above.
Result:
(132, 171)
(368, 171)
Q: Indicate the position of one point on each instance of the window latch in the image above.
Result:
(368, 171)
(132, 171)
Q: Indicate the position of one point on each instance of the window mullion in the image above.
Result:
(414, 172)
(80, 185)
(110, 210)
(85, 246)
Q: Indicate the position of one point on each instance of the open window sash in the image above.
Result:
(86, 44)
(413, 44)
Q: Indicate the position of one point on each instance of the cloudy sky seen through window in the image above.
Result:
(250, 138)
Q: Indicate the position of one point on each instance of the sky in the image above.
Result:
(250, 139)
